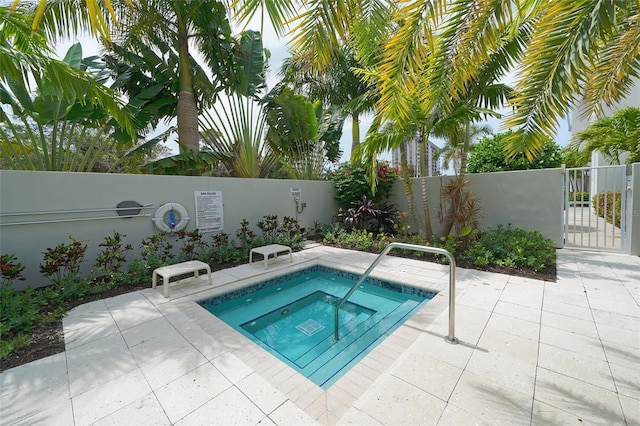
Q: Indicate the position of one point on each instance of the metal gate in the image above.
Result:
(595, 208)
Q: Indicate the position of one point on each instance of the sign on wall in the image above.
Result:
(209, 215)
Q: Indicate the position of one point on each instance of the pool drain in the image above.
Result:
(310, 327)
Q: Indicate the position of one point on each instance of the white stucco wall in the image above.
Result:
(530, 200)
(634, 222)
(527, 199)
(25, 191)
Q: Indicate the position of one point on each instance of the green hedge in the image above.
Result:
(610, 204)
(578, 196)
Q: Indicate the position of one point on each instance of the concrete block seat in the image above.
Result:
(271, 249)
(191, 267)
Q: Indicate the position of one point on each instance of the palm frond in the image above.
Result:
(405, 57)
(279, 12)
(618, 63)
(320, 30)
(187, 162)
(565, 46)
(370, 30)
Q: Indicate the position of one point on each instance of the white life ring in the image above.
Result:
(178, 217)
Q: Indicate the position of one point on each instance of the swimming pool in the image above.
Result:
(292, 317)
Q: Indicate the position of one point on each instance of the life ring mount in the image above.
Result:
(177, 219)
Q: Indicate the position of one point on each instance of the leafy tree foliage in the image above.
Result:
(489, 156)
(338, 85)
(297, 125)
(616, 136)
(27, 65)
(53, 131)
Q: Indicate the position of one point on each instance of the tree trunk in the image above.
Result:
(408, 187)
(355, 131)
(428, 229)
(449, 218)
(465, 148)
(187, 113)
(187, 109)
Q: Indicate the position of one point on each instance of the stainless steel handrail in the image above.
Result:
(78, 219)
(452, 285)
(107, 209)
(141, 208)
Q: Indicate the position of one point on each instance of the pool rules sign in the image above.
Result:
(209, 215)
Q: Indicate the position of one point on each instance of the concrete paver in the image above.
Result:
(530, 353)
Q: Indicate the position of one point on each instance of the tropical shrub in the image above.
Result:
(578, 196)
(18, 314)
(356, 239)
(489, 155)
(10, 270)
(62, 262)
(463, 212)
(609, 204)
(193, 245)
(20, 310)
(156, 251)
(502, 246)
(512, 248)
(375, 218)
(351, 183)
(222, 250)
(112, 255)
(288, 232)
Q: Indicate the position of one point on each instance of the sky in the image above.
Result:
(279, 51)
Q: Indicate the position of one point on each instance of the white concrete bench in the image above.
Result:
(191, 267)
(266, 251)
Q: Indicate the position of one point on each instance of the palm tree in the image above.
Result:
(579, 49)
(567, 49)
(164, 24)
(178, 27)
(570, 48)
(67, 18)
(459, 143)
(615, 136)
(237, 123)
(338, 84)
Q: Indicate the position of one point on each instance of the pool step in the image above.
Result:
(362, 322)
(355, 344)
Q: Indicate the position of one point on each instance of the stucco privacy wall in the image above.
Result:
(527, 199)
(26, 191)
(634, 199)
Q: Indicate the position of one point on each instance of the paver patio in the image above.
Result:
(530, 353)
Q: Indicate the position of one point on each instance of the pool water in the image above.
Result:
(293, 318)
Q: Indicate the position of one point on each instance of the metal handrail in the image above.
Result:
(78, 219)
(75, 219)
(107, 209)
(452, 285)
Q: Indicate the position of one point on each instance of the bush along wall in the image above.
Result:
(23, 311)
(608, 204)
(579, 197)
